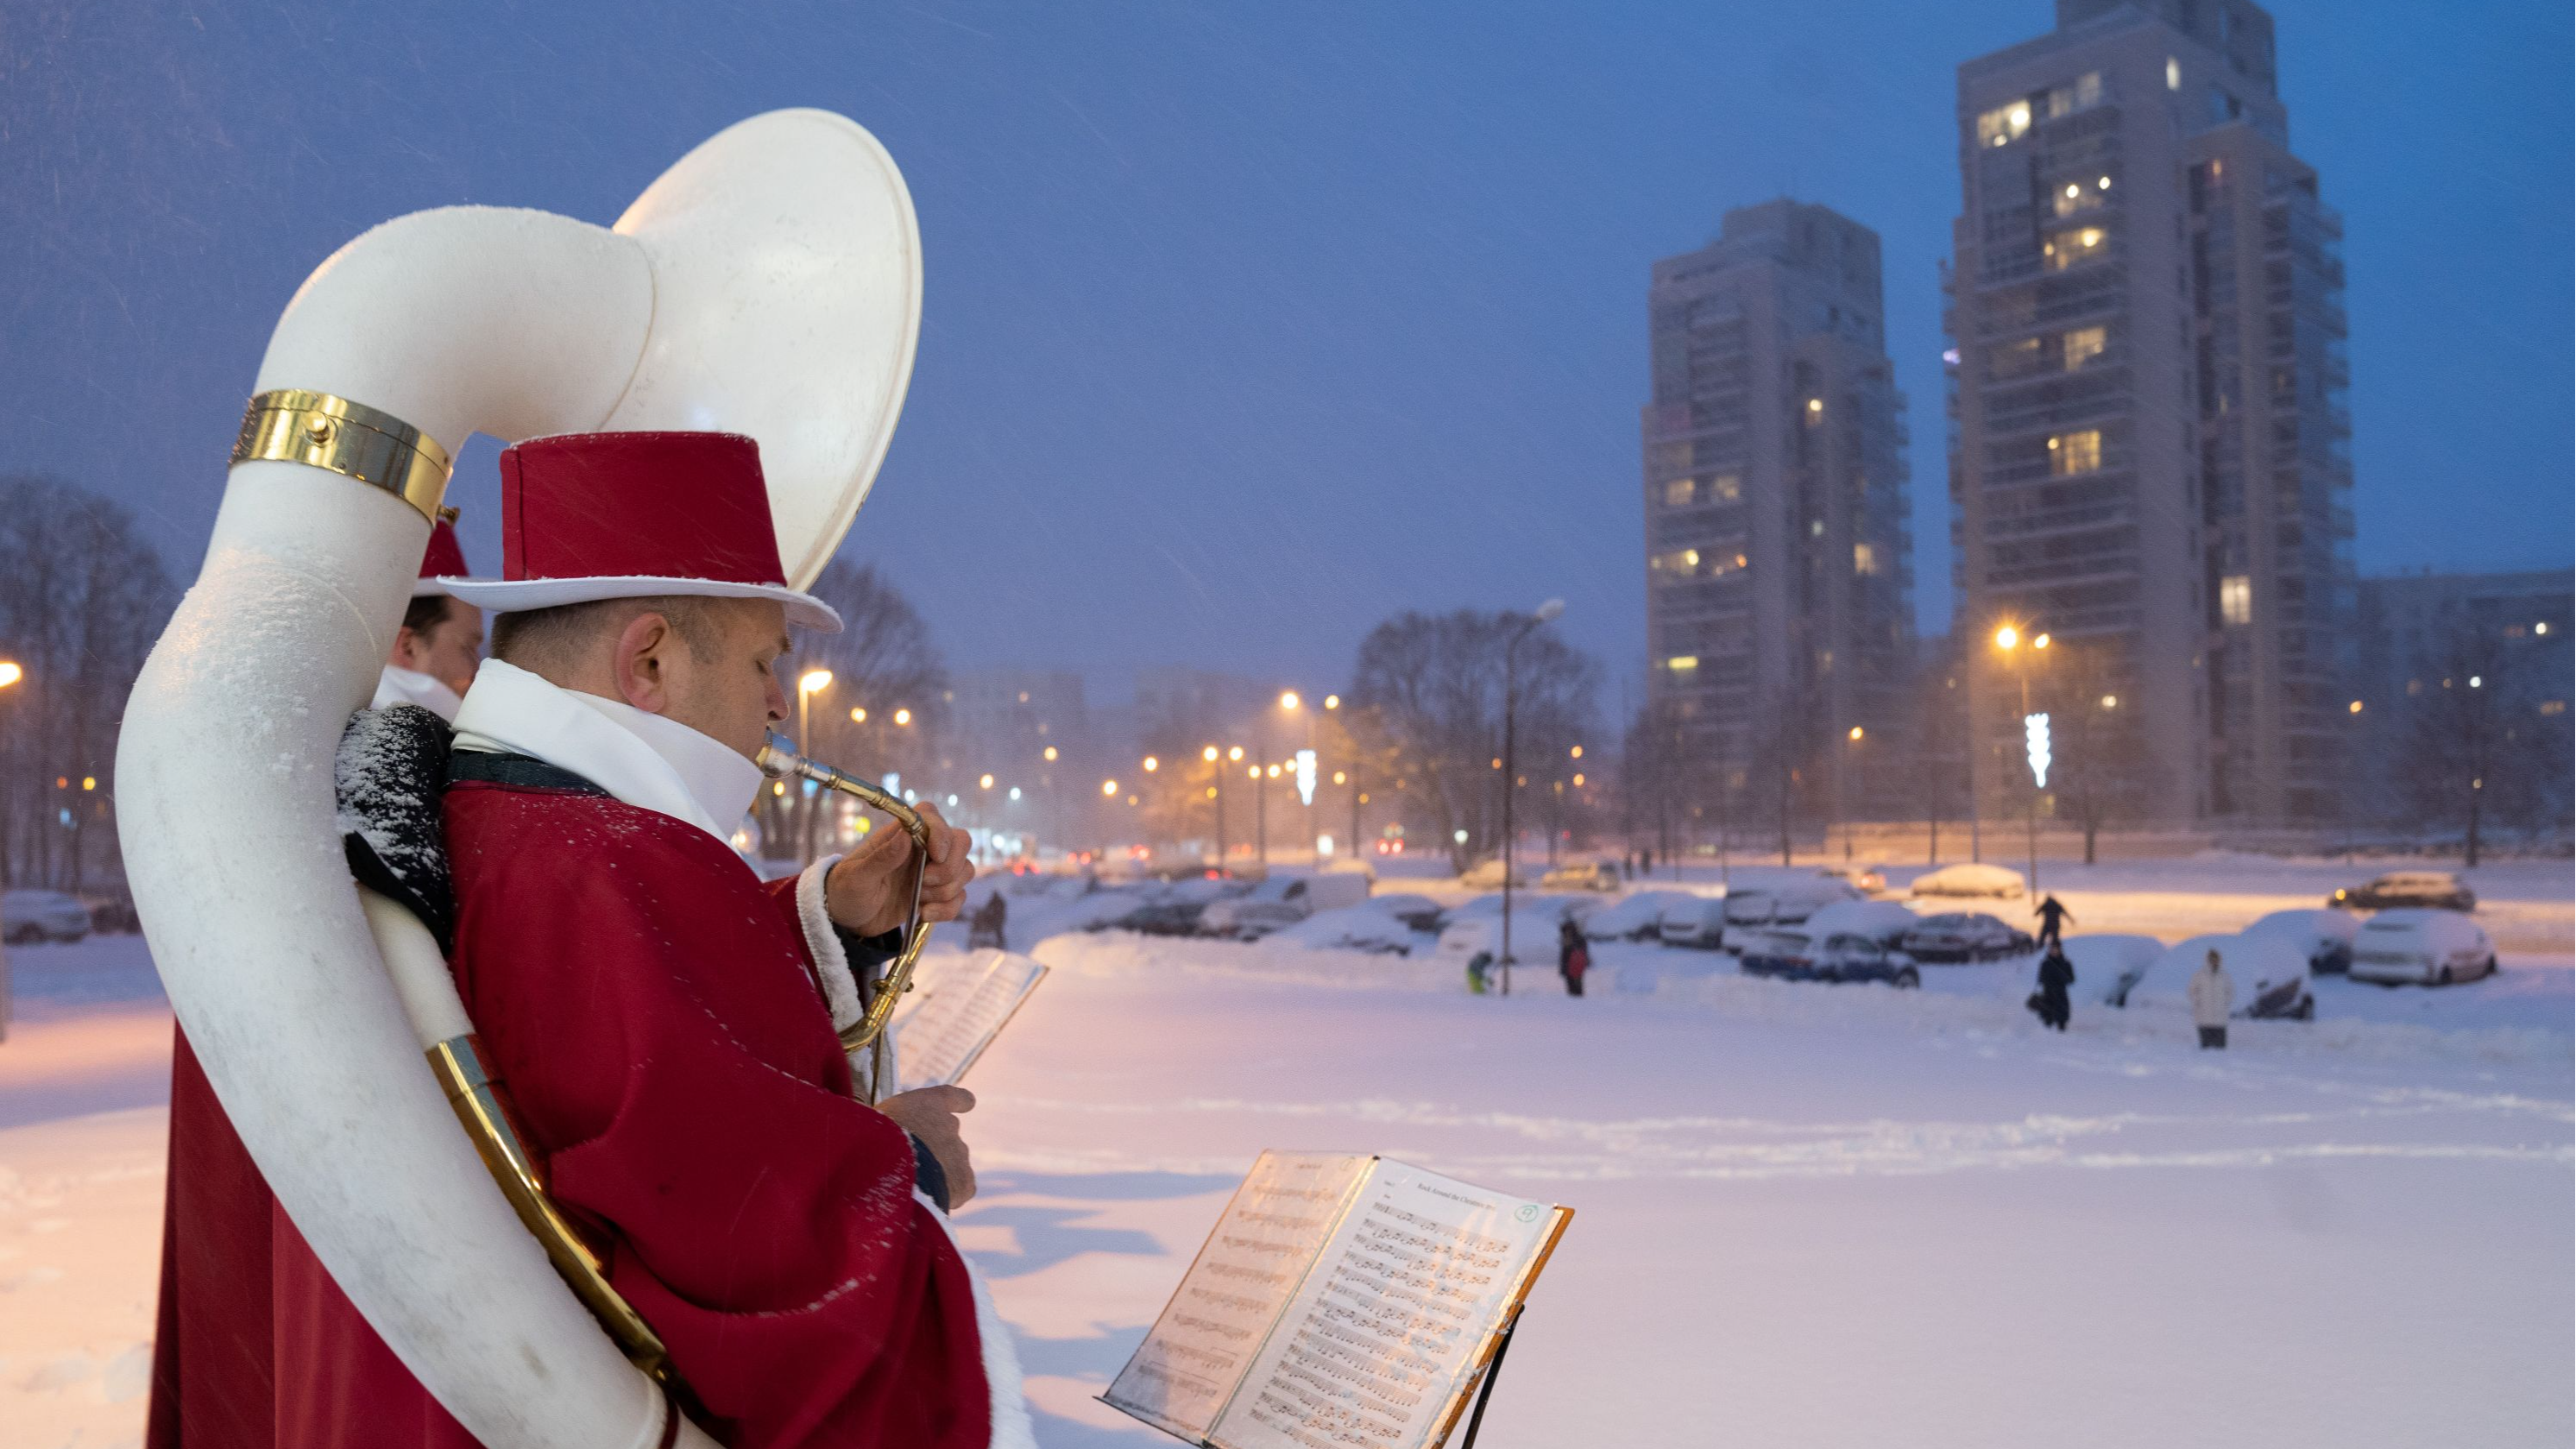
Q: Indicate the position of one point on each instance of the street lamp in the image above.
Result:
(10, 673)
(1216, 792)
(808, 684)
(2008, 639)
(1511, 704)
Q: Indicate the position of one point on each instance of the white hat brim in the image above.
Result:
(517, 596)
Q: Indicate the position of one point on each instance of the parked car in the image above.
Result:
(1158, 918)
(2110, 965)
(1487, 875)
(1785, 905)
(1885, 922)
(1280, 901)
(1699, 922)
(1869, 880)
(1993, 882)
(1368, 926)
(1420, 913)
(1963, 936)
(2429, 889)
(1803, 955)
(29, 915)
(2425, 947)
(1596, 876)
(1638, 916)
(2270, 974)
(2326, 935)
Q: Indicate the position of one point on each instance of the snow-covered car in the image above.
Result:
(1638, 916)
(1785, 905)
(2270, 974)
(1478, 926)
(2398, 889)
(2424, 947)
(1963, 936)
(1885, 922)
(1803, 955)
(2108, 964)
(29, 915)
(1699, 922)
(1368, 926)
(1596, 876)
(2326, 935)
(1991, 882)
(1420, 913)
(1869, 880)
(1487, 875)
(1282, 900)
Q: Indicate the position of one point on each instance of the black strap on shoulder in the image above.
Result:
(519, 772)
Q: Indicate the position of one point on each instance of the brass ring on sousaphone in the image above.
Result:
(779, 761)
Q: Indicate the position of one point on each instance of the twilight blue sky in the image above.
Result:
(1247, 324)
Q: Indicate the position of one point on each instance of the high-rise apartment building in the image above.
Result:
(1778, 574)
(2150, 451)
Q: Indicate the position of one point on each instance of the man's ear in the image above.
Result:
(642, 662)
(407, 650)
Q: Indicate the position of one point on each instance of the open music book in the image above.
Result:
(962, 1005)
(1339, 1301)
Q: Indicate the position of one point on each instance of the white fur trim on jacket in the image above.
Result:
(1011, 1427)
(840, 980)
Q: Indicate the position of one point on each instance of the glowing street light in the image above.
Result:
(1334, 701)
(1856, 734)
(813, 681)
(1288, 699)
(1050, 752)
(984, 782)
(1235, 754)
(1108, 787)
(858, 716)
(1152, 764)
(903, 716)
(2007, 638)
(1208, 754)
(10, 673)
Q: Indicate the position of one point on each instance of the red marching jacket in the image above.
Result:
(654, 1008)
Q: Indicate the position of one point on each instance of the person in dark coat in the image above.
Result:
(1573, 955)
(2052, 919)
(986, 928)
(2056, 973)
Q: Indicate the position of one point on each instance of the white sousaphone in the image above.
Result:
(768, 284)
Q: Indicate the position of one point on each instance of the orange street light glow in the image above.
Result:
(814, 681)
(1108, 787)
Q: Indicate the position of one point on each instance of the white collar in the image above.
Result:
(641, 758)
(409, 686)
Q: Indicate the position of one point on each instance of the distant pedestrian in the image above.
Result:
(2213, 996)
(1477, 966)
(2052, 919)
(1646, 861)
(2056, 973)
(1573, 955)
(985, 928)
(1628, 866)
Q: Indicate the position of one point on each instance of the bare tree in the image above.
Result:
(2476, 746)
(2092, 735)
(885, 668)
(82, 597)
(1432, 689)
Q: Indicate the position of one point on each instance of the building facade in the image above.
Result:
(1779, 569)
(2150, 450)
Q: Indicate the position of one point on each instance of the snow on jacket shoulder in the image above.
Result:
(2212, 997)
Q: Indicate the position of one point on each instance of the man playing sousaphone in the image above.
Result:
(666, 1021)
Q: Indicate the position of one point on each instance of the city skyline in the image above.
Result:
(1164, 254)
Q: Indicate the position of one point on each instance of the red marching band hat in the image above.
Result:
(590, 516)
(444, 560)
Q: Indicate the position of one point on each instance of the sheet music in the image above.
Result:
(1271, 1232)
(962, 1009)
(1378, 1339)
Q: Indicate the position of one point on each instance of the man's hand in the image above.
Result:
(870, 891)
(931, 1115)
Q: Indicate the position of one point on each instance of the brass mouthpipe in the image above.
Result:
(779, 761)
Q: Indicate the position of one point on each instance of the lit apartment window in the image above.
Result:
(2074, 196)
(2553, 706)
(2004, 124)
(1725, 488)
(2173, 74)
(1681, 561)
(1677, 493)
(2083, 95)
(1681, 663)
(2236, 600)
(2075, 452)
(1864, 558)
(2070, 247)
(2083, 345)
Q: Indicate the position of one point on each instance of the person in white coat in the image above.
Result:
(2213, 996)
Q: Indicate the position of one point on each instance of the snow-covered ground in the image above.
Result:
(1806, 1214)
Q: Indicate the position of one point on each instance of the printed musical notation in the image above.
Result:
(1393, 1311)
(961, 1009)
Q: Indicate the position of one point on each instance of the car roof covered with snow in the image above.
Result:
(2310, 924)
(1969, 880)
(2251, 963)
(1875, 919)
(2424, 928)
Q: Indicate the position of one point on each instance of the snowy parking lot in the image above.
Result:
(1805, 1214)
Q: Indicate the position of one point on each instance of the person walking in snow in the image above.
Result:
(1477, 966)
(985, 928)
(2213, 996)
(2052, 919)
(1573, 955)
(2056, 973)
